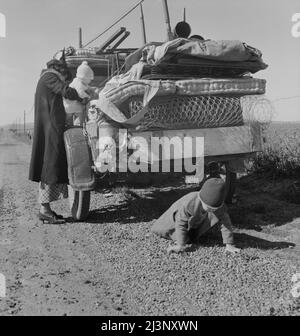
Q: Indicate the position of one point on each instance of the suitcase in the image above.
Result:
(79, 158)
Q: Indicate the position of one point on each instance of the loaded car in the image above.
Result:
(163, 94)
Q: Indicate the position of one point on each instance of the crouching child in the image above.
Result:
(193, 215)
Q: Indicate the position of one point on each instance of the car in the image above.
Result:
(209, 103)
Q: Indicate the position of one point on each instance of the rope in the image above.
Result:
(117, 72)
(118, 20)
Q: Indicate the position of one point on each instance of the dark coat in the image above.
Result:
(48, 160)
(186, 220)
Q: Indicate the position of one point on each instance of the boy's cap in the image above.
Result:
(212, 192)
(213, 165)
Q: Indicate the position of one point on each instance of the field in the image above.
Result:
(281, 156)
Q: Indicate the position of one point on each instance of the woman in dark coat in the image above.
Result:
(48, 161)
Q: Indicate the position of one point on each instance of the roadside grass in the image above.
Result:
(281, 153)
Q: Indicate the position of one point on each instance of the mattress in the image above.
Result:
(189, 87)
(241, 86)
(137, 88)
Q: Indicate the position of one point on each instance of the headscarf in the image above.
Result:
(60, 66)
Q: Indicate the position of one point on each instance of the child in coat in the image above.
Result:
(193, 215)
(74, 109)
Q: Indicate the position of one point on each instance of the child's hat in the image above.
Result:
(85, 72)
(212, 192)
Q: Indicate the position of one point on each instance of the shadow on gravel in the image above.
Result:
(263, 202)
(259, 210)
(139, 208)
(256, 208)
(244, 240)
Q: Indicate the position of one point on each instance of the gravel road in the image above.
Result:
(111, 265)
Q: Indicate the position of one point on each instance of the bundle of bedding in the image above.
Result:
(195, 58)
(181, 84)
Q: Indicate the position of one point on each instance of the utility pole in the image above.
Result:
(167, 19)
(143, 25)
(80, 38)
(24, 121)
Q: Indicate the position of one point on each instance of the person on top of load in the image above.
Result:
(193, 215)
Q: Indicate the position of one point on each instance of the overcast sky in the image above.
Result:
(36, 29)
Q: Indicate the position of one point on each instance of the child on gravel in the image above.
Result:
(193, 215)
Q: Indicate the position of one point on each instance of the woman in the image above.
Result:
(48, 161)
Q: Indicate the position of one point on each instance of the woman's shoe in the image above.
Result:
(51, 218)
(58, 216)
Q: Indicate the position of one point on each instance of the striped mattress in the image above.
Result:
(189, 87)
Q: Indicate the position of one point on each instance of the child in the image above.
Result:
(193, 215)
(74, 109)
(104, 135)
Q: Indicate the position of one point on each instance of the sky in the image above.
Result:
(36, 29)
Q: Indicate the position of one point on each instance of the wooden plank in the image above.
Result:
(220, 141)
(220, 144)
(224, 158)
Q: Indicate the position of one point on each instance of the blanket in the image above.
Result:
(222, 50)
